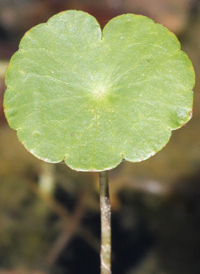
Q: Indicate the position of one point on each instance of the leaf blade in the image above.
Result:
(94, 98)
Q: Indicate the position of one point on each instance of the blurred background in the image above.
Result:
(49, 214)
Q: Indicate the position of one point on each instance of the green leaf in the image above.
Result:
(94, 98)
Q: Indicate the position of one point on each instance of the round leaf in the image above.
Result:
(95, 97)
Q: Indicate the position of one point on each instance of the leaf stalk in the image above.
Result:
(105, 209)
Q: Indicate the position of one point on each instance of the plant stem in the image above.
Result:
(105, 223)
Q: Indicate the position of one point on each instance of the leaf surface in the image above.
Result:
(95, 97)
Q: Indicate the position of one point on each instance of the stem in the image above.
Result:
(105, 223)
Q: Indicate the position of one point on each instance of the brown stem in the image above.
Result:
(105, 223)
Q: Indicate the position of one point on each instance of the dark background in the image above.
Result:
(49, 214)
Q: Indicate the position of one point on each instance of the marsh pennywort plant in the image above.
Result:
(94, 97)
